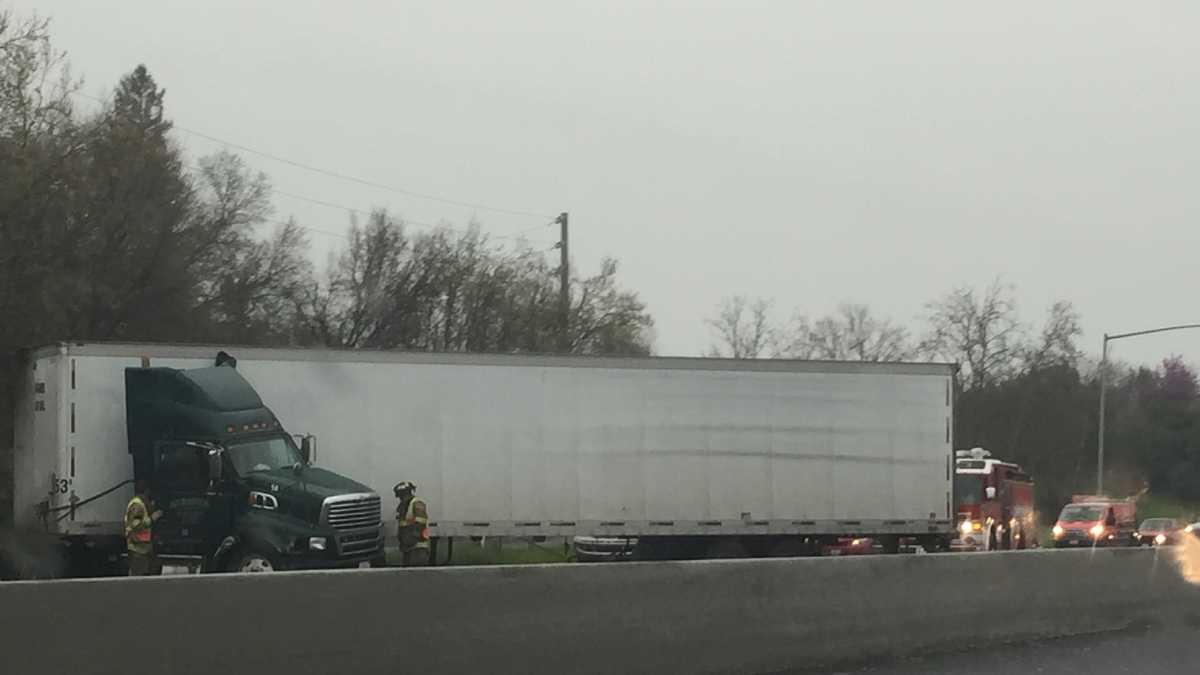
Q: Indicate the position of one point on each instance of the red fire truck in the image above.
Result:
(993, 501)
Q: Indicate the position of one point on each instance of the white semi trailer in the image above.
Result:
(689, 456)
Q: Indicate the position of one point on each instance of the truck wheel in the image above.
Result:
(247, 561)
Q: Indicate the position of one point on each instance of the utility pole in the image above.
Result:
(1100, 431)
(564, 288)
(1104, 386)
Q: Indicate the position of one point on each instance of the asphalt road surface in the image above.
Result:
(1149, 651)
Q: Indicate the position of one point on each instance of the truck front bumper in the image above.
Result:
(343, 549)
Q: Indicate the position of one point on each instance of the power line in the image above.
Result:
(366, 214)
(341, 176)
(309, 228)
(506, 256)
(334, 174)
(342, 235)
(361, 212)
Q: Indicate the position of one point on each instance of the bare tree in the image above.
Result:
(1056, 346)
(742, 328)
(35, 99)
(850, 334)
(606, 319)
(252, 300)
(979, 331)
(448, 291)
(355, 307)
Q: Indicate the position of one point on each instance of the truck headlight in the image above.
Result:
(965, 527)
(1097, 530)
(316, 543)
(1057, 531)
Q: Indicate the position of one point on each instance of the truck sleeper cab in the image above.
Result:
(236, 492)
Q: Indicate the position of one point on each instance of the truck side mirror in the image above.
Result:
(308, 449)
(990, 492)
(214, 466)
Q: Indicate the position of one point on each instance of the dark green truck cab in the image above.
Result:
(236, 491)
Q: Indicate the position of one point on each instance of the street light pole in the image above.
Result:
(1100, 436)
(1103, 391)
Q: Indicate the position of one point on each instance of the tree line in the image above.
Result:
(1028, 394)
(110, 231)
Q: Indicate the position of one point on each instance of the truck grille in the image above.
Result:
(360, 543)
(352, 513)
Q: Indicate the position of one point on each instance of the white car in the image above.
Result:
(602, 549)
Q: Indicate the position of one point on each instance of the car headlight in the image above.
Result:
(856, 542)
(1097, 530)
(965, 527)
(1057, 531)
(1160, 539)
(1188, 529)
(316, 543)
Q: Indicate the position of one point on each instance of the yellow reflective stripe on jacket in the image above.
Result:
(410, 516)
(138, 523)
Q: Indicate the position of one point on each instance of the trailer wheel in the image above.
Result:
(249, 561)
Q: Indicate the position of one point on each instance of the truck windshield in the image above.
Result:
(263, 454)
(1080, 512)
(968, 489)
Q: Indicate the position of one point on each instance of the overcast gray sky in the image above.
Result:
(812, 152)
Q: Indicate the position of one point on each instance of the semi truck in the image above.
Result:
(237, 492)
(994, 503)
(678, 457)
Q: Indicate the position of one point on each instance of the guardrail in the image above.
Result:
(746, 616)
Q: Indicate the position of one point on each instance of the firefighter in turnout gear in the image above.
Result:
(412, 525)
(139, 525)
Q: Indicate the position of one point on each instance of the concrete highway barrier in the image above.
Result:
(736, 616)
